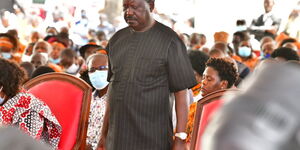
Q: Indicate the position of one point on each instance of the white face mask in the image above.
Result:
(1, 98)
(241, 28)
(26, 58)
(45, 55)
(73, 69)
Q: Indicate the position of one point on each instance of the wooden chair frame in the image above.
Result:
(200, 103)
(85, 108)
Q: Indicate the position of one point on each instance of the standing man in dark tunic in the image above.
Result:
(147, 62)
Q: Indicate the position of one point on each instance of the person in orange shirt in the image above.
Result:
(20, 47)
(8, 47)
(245, 55)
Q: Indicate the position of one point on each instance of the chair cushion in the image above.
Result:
(64, 100)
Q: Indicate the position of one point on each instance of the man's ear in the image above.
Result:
(224, 84)
(151, 6)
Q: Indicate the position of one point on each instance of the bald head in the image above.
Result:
(42, 47)
(38, 60)
(216, 53)
(96, 58)
(221, 46)
(265, 39)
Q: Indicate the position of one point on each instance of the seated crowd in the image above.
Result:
(224, 65)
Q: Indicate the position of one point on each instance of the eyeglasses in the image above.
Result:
(93, 69)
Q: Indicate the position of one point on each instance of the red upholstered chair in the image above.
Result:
(69, 99)
(205, 109)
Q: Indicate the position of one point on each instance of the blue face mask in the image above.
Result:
(244, 51)
(99, 79)
(6, 55)
(241, 28)
(55, 61)
(267, 56)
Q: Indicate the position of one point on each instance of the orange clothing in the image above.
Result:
(237, 58)
(190, 123)
(196, 89)
(250, 62)
(16, 58)
(282, 36)
(55, 67)
(21, 48)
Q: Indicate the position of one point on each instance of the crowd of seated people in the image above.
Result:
(223, 65)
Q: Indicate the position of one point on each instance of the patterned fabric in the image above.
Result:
(32, 116)
(97, 111)
(196, 89)
(190, 124)
(192, 111)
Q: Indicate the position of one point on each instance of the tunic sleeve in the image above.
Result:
(180, 72)
(35, 124)
(109, 65)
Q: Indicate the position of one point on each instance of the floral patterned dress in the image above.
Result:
(32, 116)
(97, 111)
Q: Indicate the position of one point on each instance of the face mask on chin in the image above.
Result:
(99, 79)
(73, 69)
(55, 61)
(241, 28)
(6, 55)
(45, 55)
(26, 58)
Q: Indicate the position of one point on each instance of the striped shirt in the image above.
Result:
(144, 68)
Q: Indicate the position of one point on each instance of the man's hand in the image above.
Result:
(182, 117)
(179, 145)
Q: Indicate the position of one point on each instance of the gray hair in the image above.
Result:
(49, 47)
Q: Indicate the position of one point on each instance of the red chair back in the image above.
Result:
(69, 99)
(206, 107)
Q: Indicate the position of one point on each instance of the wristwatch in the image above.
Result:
(181, 135)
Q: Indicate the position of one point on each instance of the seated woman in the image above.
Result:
(97, 72)
(219, 74)
(198, 60)
(23, 110)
